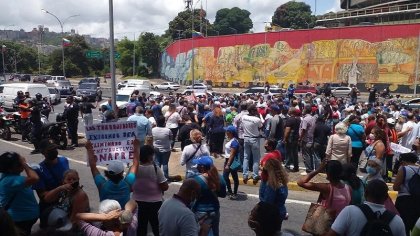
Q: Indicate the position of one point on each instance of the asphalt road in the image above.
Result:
(234, 214)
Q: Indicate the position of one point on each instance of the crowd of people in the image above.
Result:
(340, 137)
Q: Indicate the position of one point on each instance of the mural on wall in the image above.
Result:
(348, 61)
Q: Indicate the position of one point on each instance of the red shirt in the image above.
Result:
(271, 155)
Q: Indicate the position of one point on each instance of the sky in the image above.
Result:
(131, 17)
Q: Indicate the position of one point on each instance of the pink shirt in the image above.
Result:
(341, 198)
(146, 186)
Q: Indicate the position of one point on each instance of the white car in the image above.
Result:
(200, 86)
(168, 86)
(341, 91)
(122, 99)
(55, 97)
(55, 79)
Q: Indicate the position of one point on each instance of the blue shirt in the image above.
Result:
(144, 126)
(23, 206)
(50, 177)
(119, 192)
(208, 200)
(275, 197)
(356, 131)
(157, 111)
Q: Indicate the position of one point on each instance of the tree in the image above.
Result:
(150, 51)
(20, 57)
(233, 21)
(183, 22)
(295, 15)
(125, 47)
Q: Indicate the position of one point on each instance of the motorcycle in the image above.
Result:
(55, 131)
(5, 124)
(15, 121)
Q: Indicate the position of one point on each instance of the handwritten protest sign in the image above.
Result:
(399, 149)
(112, 141)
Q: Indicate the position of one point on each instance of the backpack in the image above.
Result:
(414, 183)
(377, 224)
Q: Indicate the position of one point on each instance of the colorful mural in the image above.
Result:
(354, 55)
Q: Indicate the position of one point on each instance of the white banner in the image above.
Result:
(112, 141)
(399, 149)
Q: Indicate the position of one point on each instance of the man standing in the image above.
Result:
(353, 94)
(252, 124)
(306, 140)
(25, 113)
(50, 172)
(144, 127)
(36, 131)
(237, 122)
(409, 132)
(372, 94)
(277, 128)
(71, 113)
(175, 215)
(321, 134)
(290, 91)
(291, 137)
(86, 111)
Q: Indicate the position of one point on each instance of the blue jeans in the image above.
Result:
(292, 155)
(310, 160)
(282, 149)
(213, 219)
(251, 148)
(162, 159)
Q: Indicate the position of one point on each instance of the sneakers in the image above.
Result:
(255, 180)
(35, 151)
(233, 196)
(303, 173)
(245, 180)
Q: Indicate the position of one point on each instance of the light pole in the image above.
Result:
(417, 66)
(134, 55)
(111, 56)
(3, 47)
(189, 4)
(62, 34)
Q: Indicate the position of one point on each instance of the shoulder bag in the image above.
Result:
(236, 163)
(319, 218)
(192, 156)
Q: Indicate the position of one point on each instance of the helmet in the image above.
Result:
(38, 96)
(59, 117)
(19, 92)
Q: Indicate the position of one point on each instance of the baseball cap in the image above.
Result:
(46, 145)
(58, 219)
(231, 129)
(115, 167)
(390, 121)
(206, 161)
(275, 108)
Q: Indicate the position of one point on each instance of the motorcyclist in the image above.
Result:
(43, 106)
(36, 131)
(71, 113)
(25, 113)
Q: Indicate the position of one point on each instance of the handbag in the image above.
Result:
(236, 164)
(319, 218)
(364, 159)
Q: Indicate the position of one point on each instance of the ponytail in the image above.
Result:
(213, 180)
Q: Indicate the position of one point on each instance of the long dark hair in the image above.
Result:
(349, 175)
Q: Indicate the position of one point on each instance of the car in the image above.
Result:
(90, 90)
(413, 103)
(305, 90)
(90, 80)
(130, 83)
(25, 77)
(41, 78)
(107, 76)
(197, 92)
(168, 86)
(341, 91)
(64, 86)
(8, 92)
(200, 86)
(261, 90)
(122, 99)
(55, 79)
(55, 96)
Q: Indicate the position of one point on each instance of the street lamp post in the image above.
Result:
(417, 66)
(111, 56)
(62, 34)
(190, 3)
(3, 47)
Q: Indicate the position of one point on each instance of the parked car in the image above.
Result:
(168, 86)
(64, 86)
(54, 79)
(55, 96)
(413, 103)
(90, 90)
(261, 90)
(197, 92)
(90, 80)
(200, 86)
(107, 76)
(25, 77)
(8, 92)
(341, 91)
(41, 78)
(122, 99)
(305, 90)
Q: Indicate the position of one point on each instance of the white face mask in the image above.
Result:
(371, 136)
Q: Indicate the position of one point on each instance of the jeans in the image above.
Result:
(213, 219)
(162, 159)
(251, 148)
(319, 151)
(148, 212)
(87, 119)
(354, 100)
(36, 134)
(292, 155)
(309, 159)
(235, 178)
(25, 128)
(356, 153)
(282, 149)
(174, 132)
(241, 150)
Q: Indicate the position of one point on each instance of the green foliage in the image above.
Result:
(231, 21)
(125, 63)
(150, 51)
(296, 15)
(183, 21)
(25, 58)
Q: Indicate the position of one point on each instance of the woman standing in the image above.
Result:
(339, 145)
(274, 190)
(148, 188)
(376, 148)
(217, 132)
(334, 192)
(162, 143)
(350, 178)
(193, 151)
(172, 122)
(231, 157)
(16, 195)
(358, 137)
(407, 204)
(212, 186)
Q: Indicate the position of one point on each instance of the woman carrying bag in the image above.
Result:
(232, 162)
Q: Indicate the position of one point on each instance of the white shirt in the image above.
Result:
(408, 139)
(251, 126)
(172, 119)
(351, 221)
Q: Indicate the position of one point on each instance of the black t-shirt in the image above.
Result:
(86, 107)
(294, 124)
(353, 93)
(72, 112)
(321, 133)
(372, 93)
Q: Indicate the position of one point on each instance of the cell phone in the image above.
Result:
(75, 184)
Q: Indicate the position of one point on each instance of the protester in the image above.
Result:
(162, 138)
(291, 137)
(376, 149)
(237, 122)
(148, 189)
(149, 116)
(349, 177)
(271, 153)
(86, 111)
(172, 122)
(353, 219)
(358, 137)
(274, 189)
(334, 192)
(321, 135)
(231, 157)
(115, 186)
(16, 195)
(71, 113)
(216, 131)
(184, 132)
(144, 127)
(263, 220)
(339, 145)
(7, 226)
(212, 186)
(407, 203)
(193, 151)
(306, 140)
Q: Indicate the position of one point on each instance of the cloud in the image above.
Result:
(130, 16)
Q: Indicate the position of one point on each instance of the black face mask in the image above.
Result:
(52, 155)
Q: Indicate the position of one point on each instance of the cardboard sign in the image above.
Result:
(399, 149)
(112, 141)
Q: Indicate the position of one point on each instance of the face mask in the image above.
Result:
(371, 136)
(52, 155)
(371, 170)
